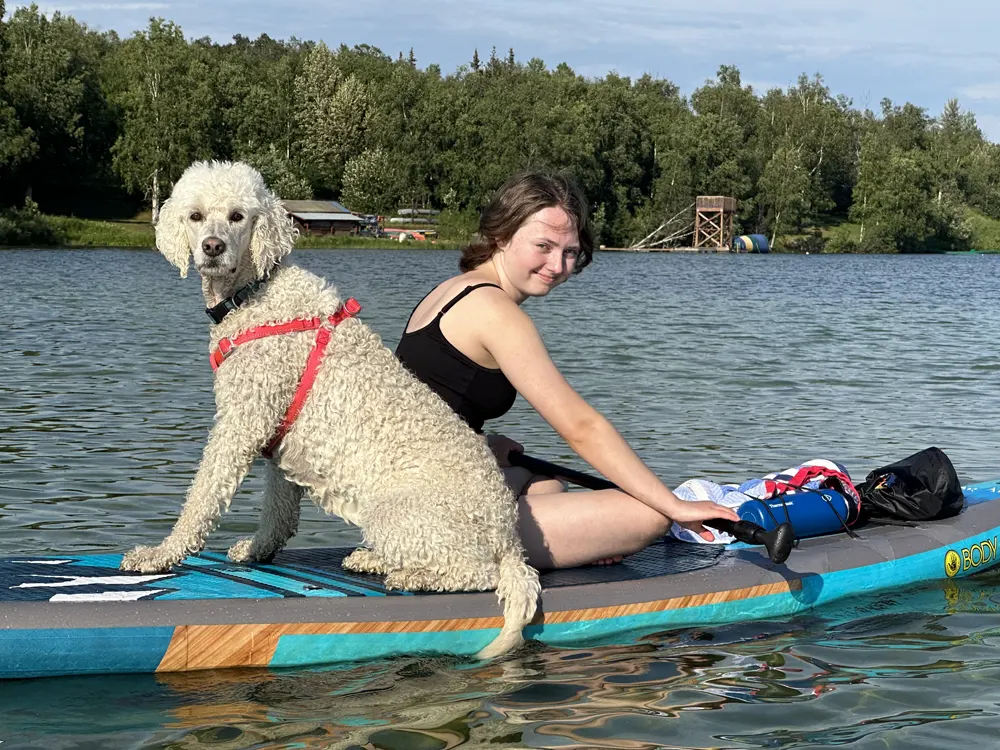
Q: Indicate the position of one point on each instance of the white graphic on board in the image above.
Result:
(92, 581)
(106, 596)
(42, 562)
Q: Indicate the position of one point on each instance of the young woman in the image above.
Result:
(471, 342)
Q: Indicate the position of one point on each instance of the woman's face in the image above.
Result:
(542, 253)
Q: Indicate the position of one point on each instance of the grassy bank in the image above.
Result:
(138, 233)
(346, 241)
(90, 233)
(845, 235)
(65, 231)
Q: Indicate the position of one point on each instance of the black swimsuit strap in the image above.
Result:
(447, 307)
(462, 294)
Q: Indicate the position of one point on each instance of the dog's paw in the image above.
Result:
(412, 579)
(147, 560)
(245, 552)
(240, 552)
(365, 561)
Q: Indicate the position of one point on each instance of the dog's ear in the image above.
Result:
(171, 237)
(273, 235)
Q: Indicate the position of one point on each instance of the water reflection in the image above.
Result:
(731, 367)
(916, 664)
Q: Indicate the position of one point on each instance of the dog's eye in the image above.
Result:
(196, 216)
(235, 216)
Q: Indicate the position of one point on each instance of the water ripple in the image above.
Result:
(715, 366)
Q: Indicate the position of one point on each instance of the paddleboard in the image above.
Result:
(78, 614)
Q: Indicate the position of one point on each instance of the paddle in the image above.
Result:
(778, 542)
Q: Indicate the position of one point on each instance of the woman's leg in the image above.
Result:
(523, 482)
(566, 529)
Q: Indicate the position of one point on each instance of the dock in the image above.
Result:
(709, 230)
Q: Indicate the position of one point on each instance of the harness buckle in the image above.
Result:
(348, 309)
(222, 351)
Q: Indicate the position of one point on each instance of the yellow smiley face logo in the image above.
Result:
(952, 562)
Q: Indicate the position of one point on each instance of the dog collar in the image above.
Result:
(229, 304)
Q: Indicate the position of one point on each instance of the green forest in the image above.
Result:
(96, 126)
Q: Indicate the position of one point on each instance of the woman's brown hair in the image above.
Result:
(522, 196)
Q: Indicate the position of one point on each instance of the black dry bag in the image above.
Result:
(921, 487)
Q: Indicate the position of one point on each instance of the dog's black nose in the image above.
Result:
(213, 247)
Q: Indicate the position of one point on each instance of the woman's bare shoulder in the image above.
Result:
(447, 291)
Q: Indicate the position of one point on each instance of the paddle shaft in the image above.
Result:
(778, 544)
(544, 468)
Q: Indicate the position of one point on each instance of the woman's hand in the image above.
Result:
(691, 514)
(502, 447)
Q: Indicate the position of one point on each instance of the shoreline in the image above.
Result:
(143, 248)
(139, 234)
(705, 250)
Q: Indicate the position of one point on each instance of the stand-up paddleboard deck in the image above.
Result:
(78, 614)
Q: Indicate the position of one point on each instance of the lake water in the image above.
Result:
(717, 366)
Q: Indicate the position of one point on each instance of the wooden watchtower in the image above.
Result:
(713, 221)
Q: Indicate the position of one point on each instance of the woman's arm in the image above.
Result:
(512, 339)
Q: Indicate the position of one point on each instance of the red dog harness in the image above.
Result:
(227, 346)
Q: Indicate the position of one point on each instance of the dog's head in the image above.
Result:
(217, 214)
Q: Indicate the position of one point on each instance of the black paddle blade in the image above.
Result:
(778, 541)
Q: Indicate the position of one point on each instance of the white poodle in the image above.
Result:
(371, 444)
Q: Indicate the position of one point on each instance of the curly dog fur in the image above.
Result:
(372, 444)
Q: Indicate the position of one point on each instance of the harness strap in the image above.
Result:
(227, 346)
(302, 392)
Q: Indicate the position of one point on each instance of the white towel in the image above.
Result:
(701, 489)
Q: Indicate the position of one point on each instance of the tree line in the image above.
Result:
(92, 123)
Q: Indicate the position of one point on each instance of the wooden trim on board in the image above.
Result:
(253, 645)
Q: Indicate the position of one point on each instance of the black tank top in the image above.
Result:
(474, 392)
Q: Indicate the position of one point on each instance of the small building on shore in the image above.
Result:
(322, 217)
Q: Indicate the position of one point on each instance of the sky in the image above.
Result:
(919, 51)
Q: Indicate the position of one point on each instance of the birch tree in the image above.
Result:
(164, 88)
(783, 188)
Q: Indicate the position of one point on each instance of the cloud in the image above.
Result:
(888, 29)
(70, 9)
(989, 90)
(115, 6)
(907, 50)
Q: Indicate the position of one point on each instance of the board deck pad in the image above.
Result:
(315, 572)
